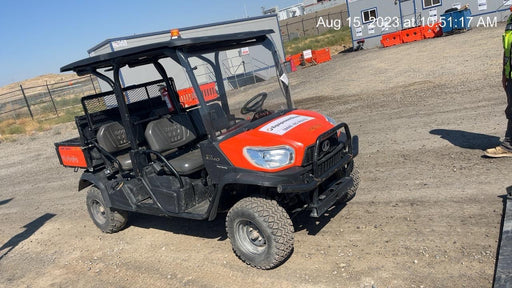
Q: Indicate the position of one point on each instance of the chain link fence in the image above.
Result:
(314, 24)
(48, 100)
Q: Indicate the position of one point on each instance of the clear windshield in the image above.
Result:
(240, 86)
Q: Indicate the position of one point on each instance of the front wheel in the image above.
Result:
(260, 231)
(351, 193)
(108, 220)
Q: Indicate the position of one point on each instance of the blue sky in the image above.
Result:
(38, 37)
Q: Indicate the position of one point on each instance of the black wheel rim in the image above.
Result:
(98, 212)
(250, 237)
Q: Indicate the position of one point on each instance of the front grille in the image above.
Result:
(328, 162)
(310, 150)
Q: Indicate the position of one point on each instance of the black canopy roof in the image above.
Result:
(147, 53)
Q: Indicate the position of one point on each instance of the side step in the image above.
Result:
(200, 208)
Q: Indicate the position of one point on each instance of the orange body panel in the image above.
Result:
(72, 156)
(297, 129)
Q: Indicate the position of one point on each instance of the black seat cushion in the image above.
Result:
(188, 163)
(125, 160)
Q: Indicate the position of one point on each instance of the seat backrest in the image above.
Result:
(219, 119)
(168, 133)
(112, 137)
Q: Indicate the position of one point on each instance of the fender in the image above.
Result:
(242, 176)
(89, 179)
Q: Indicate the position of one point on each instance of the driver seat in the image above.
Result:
(217, 115)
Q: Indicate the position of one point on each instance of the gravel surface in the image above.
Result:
(427, 212)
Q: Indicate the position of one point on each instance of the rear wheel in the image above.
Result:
(105, 218)
(260, 231)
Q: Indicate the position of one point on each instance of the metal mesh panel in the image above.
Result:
(107, 100)
(136, 94)
(99, 102)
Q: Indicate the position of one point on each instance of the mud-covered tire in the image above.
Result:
(351, 193)
(105, 218)
(260, 231)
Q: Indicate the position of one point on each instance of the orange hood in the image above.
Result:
(297, 129)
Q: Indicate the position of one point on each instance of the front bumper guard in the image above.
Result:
(321, 202)
(329, 197)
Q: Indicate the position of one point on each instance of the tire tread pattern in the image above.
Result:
(276, 218)
(351, 193)
(116, 220)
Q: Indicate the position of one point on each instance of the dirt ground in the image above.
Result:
(427, 212)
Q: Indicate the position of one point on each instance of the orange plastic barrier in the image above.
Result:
(293, 67)
(322, 55)
(188, 97)
(391, 39)
(296, 59)
(431, 31)
(412, 34)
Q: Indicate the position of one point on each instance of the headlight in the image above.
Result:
(330, 120)
(270, 157)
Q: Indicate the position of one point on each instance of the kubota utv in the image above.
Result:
(209, 147)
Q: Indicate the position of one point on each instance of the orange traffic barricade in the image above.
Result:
(391, 39)
(431, 31)
(322, 55)
(412, 34)
(296, 59)
(188, 97)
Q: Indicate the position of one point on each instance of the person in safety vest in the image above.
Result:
(505, 148)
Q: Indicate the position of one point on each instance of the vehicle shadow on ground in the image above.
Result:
(198, 228)
(302, 221)
(467, 140)
(3, 202)
(30, 229)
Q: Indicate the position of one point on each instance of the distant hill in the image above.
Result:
(38, 81)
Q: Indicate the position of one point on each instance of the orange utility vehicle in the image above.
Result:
(247, 151)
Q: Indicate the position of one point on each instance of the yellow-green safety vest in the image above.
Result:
(507, 45)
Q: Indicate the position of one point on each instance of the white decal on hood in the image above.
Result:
(284, 124)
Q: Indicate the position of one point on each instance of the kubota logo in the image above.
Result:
(326, 145)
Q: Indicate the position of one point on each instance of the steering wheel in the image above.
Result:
(254, 104)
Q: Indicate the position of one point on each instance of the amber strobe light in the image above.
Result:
(175, 33)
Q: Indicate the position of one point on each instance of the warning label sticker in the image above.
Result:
(284, 124)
